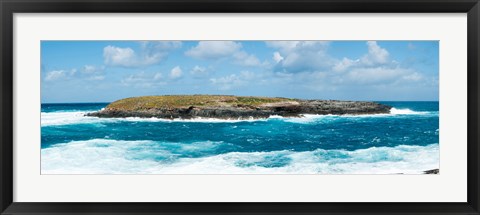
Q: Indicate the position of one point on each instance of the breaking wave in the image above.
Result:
(103, 156)
(406, 111)
(78, 117)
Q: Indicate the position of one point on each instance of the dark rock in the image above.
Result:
(432, 171)
(285, 109)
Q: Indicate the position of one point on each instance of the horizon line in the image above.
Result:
(308, 99)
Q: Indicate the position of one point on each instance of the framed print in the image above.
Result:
(273, 126)
(199, 107)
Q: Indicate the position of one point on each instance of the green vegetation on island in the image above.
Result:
(232, 107)
(185, 101)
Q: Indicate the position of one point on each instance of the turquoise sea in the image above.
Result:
(404, 141)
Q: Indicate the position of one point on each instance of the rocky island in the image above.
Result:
(231, 107)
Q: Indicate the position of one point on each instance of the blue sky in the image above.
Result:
(104, 71)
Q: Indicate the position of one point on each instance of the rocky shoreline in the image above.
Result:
(226, 107)
(432, 171)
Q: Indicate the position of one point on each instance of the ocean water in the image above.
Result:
(404, 141)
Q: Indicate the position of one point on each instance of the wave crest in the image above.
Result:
(78, 117)
(406, 111)
(101, 156)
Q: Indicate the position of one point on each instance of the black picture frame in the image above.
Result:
(9, 7)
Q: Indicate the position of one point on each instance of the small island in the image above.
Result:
(231, 107)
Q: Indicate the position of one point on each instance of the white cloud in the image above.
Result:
(277, 57)
(376, 75)
(157, 76)
(97, 78)
(223, 49)
(88, 72)
(375, 67)
(376, 54)
(139, 77)
(300, 56)
(89, 69)
(245, 59)
(286, 47)
(233, 81)
(159, 46)
(376, 57)
(115, 56)
(413, 77)
(312, 56)
(142, 80)
(55, 75)
(344, 64)
(176, 73)
(199, 72)
(72, 72)
(92, 73)
(213, 49)
(311, 65)
(150, 53)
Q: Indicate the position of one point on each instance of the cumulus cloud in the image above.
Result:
(155, 46)
(376, 75)
(150, 53)
(376, 54)
(72, 72)
(116, 56)
(213, 49)
(176, 73)
(413, 77)
(143, 80)
(375, 67)
(92, 73)
(89, 69)
(309, 63)
(344, 64)
(55, 75)
(277, 57)
(96, 78)
(223, 49)
(245, 59)
(157, 76)
(199, 72)
(286, 47)
(233, 81)
(311, 56)
(60, 74)
(300, 56)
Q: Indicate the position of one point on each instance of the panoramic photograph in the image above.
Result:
(240, 107)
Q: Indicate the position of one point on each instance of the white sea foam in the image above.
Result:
(64, 118)
(100, 156)
(395, 111)
(308, 118)
(78, 117)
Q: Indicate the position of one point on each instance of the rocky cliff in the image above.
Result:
(232, 107)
